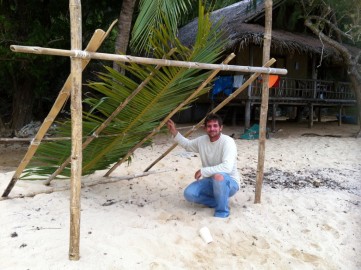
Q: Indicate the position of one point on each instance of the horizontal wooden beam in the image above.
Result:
(144, 60)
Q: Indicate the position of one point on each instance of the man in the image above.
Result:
(218, 179)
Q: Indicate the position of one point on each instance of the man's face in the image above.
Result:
(213, 130)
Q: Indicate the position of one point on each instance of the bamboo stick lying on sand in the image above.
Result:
(109, 180)
(51, 139)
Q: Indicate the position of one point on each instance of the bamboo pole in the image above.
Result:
(144, 60)
(30, 140)
(26, 140)
(109, 180)
(216, 109)
(94, 44)
(179, 107)
(264, 102)
(109, 119)
(76, 129)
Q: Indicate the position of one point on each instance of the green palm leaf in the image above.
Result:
(168, 88)
(151, 17)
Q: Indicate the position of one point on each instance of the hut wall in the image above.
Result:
(295, 63)
(297, 66)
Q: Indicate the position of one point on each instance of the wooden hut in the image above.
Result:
(316, 75)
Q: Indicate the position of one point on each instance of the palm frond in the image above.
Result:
(151, 17)
(168, 88)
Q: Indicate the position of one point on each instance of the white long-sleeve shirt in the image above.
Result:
(216, 157)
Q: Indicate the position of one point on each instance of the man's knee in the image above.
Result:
(218, 177)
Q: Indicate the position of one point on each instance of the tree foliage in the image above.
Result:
(338, 23)
(152, 15)
(39, 78)
(21, 25)
(338, 19)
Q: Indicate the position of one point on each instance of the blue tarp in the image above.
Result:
(222, 84)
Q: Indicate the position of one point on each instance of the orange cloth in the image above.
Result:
(273, 80)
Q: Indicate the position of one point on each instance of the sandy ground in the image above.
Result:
(309, 217)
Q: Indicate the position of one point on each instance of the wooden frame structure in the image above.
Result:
(73, 86)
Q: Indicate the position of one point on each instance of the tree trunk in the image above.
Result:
(23, 100)
(124, 26)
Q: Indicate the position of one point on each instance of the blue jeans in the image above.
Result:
(212, 193)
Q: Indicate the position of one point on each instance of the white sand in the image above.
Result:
(145, 223)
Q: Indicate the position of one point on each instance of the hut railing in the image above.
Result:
(290, 88)
(293, 90)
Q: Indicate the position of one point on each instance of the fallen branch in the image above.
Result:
(90, 184)
(42, 228)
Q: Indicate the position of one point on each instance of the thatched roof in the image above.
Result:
(238, 32)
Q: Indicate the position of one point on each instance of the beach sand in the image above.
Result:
(309, 216)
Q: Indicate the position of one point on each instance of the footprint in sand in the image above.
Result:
(328, 228)
(166, 217)
(304, 256)
(260, 242)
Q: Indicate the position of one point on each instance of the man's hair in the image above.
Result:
(211, 117)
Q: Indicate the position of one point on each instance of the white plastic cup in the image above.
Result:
(206, 235)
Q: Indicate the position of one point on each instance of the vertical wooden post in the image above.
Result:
(247, 115)
(310, 115)
(319, 115)
(340, 115)
(248, 106)
(274, 112)
(264, 104)
(76, 129)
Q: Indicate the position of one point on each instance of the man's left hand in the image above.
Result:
(198, 174)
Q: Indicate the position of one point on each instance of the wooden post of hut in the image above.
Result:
(319, 114)
(274, 115)
(340, 109)
(248, 105)
(310, 115)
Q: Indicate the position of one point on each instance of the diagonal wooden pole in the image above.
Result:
(76, 129)
(179, 107)
(94, 44)
(110, 118)
(216, 109)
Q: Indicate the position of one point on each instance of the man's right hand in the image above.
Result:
(171, 127)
